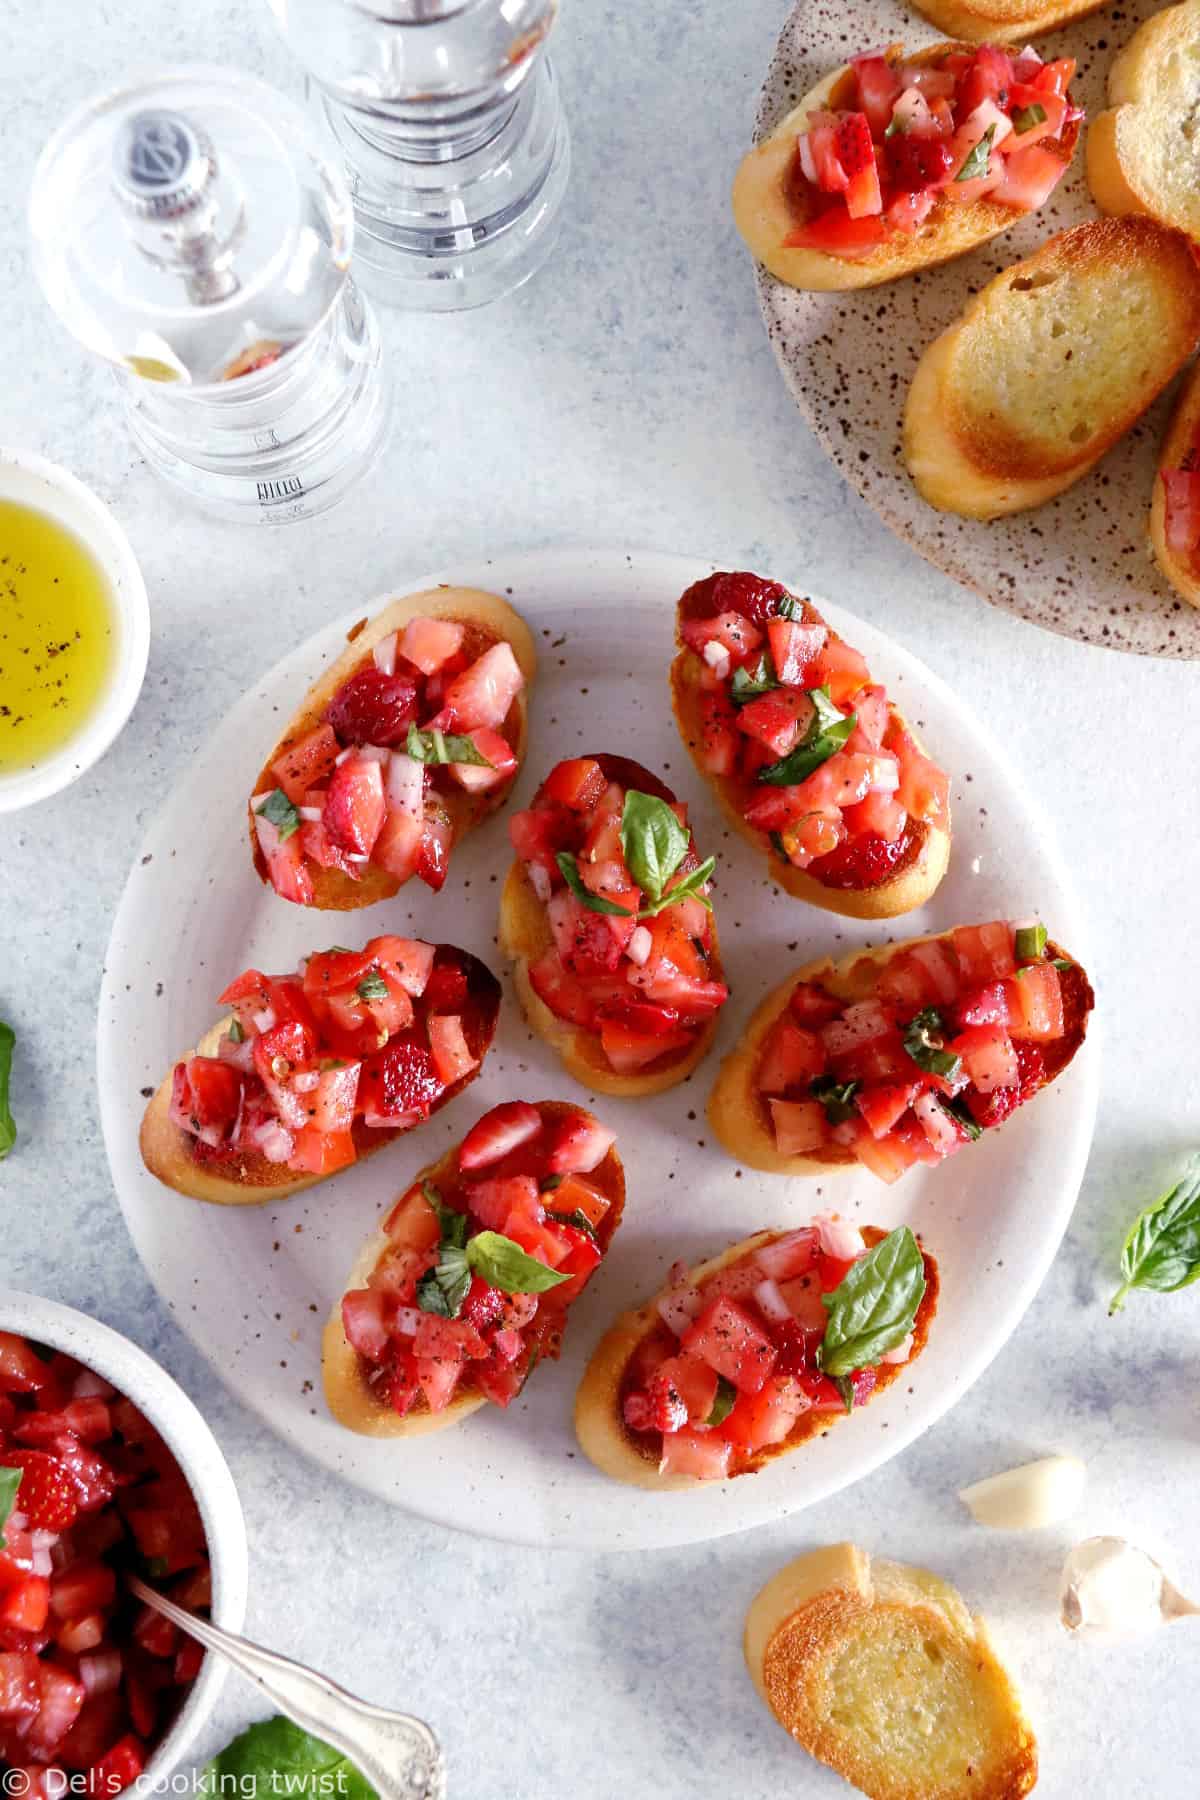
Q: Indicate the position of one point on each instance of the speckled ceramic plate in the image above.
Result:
(252, 1286)
(1081, 565)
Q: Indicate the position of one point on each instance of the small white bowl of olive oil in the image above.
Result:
(74, 629)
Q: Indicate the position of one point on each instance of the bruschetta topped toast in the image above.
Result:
(314, 1070)
(607, 916)
(467, 1283)
(809, 758)
(749, 1355)
(1175, 505)
(901, 1055)
(901, 160)
(404, 745)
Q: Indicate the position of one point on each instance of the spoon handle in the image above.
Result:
(399, 1755)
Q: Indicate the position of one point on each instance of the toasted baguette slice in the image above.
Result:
(1142, 155)
(249, 1179)
(1051, 363)
(334, 891)
(351, 1399)
(525, 935)
(1179, 451)
(599, 1419)
(879, 1670)
(766, 210)
(1003, 21)
(737, 1111)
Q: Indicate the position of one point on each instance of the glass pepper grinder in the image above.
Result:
(447, 119)
(191, 231)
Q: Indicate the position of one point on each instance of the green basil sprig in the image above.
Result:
(827, 731)
(278, 811)
(976, 164)
(10, 1481)
(962, 1115)
(723, 1402)
(837, 1097)
(1162, 1249)
(748, 684)
(372, 986)
(577, 1219)
(1030, 943)
(789, 608)
(923, 1040)
(8, 1129)
(444, 747)
(654, 844)
(1028, 117)
(489, 1254)
(874, 1306)
(568, 868)
(276, 1760)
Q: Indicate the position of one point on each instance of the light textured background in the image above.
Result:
(626, 396)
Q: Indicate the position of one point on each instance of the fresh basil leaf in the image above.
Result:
(276, 1760)
(451, 1223)
(827, 732)
(372, 986)
(837, 1097)
(789, 608)
(278, 811)
(1028, 117)
(577, 1219)
(845, 1388)
(747, 684)
(976, 164)
(10, 1481)
(687, 889)
(828, 715)
(504, 1265)
(8, 1129)
(235, 1033)
(653, 841)
(444, 1288)
(1063, 962)
(443, 747)
(723, 1402)
(1030, 943)
(1162, 1249)
(961, 1113)
(568, 868)
(923, 1039)
(874, 1306)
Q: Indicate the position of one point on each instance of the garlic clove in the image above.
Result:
(1111, 1590)
(1027, 1498)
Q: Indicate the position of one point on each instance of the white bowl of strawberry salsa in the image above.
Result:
(105, 1467)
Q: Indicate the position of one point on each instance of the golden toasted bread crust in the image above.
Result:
(599, 1423)
(1178, 452)
(351, 1400)
(808, 1642)
(765, 211)
(1140, 153)
(1003, 21)
(334, 891)
(902, 892)
(737, 1112)
(1130, 290)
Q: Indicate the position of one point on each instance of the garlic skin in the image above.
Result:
(1029, 1497)
(1111, 1591)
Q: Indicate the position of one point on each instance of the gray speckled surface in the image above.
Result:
(627, 396)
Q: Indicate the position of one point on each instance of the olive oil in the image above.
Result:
(58, 635)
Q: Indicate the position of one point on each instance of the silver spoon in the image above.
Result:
(399, 1755)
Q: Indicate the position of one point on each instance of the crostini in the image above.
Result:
(752, 1353)
(1051, 363)
(402, 747)
(467, 1282)
(808, 757)
(1141, 153)
(898, 161)
(900, 1055)
(848, 1650)
(606, 915)
(312, 1071)
(1175, 504)
(1003, 21)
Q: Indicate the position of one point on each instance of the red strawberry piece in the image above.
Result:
(48, 1496)
(753, 596)
(399, 1080)
(861, 862)
(499, 1132)
(374, 708)
(855, 148)
(355, 806)
(915, 163)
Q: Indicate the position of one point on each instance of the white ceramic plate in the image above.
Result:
(1081, 565)
(253, 1286)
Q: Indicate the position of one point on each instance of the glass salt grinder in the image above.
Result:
(447, 118)
(191, 231)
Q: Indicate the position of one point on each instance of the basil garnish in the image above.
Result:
(1028, 117)
(8, 1129)
(372, 986)
(1162, 1250)
(747, 684)
(837, 1097)
(443, 747)
(568, 868)
(1063, 962)
(278, 811)
(578, 1220)
(654, 844)
(1030, 943)
(873, 1308)
(235, 1033)
(923, 1038)
(977, 161)
(789, 608)
(276, 1760)
(723, 1403)
(827, 732)
(961, 1113)
(494, 1258)
(10, 1481)
(504, 1265)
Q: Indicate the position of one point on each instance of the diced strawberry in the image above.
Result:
(730, 631)
(856, 153)
(792, 1057)
(373, 708)
(493, 1203)
(22, 1370)
(19, 1685)
(364, 1320)
(49, 1498)
(1029, 177)
(789, 1256)
(24, 1601)
(1038, 992)
(794, 647)
(767, 1417)
(629, 1051)
(438, 1377)
(306, 763)
(577, 782)
(62, 1698)
(452, 1056)
(580, 1262)
(842, 669)
(836, 234)
(811, 1006)
(433, 848)
(881, 1107)
(719, 738)
(206, 1097)
(907, 212)
(777, 719)
(799, 1126)
(878, 89)
(560, 990)
(575, 1194)
(354, 806)
(285, 862)
(988, 1056)
(915, 162)
(396, 848)
(87, 1585)
(544, 1242)
(703, 1455)
(578, 1143)
(498, 1133)
(483, 693)
(428, 643)
(499, 767)
(989, 76)
(118, 1768)
(399, 1083)
(318, 847)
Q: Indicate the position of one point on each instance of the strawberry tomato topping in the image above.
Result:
(485, 1256)
(89, 1679)
(806, 746)
(357, 1041)
(939, 1044)
(633, 957)
(426, 719)
(763, 1352)
(903, 138)
(1181, 506)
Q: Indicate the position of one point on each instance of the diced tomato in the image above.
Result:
(544, 1242)
(989, 77)
(412, 1222)
(354, 806)
(206, 1097)
(576, 1194)
(364, 1320)
(777, 719)
(703, 1455)
(318, 847)
(433, 848)
(452, 1056)
(19, 1686)
(878, 90)
(24, 1601)
(985, 952)
(1029, 177)
(792, 1057)
(731, 631)
(794, 647)
(790, 1255)
(577, 782)
(1181, 509)
(561, 991)
(940, 965)
(924, 789)
(882, 1107)
(118, 1768)
(493, 1203)
(877, 813)
(306, 763)
(1038, 992)
(438, 1377)
(628, 1050)
(321, 1152)
(500, 764)
(836, 234)
(285, 862)
(888, 1157)
(940, 1129)
(842, 669)
(483, 693)
(727, 1338)
(502, 1130)
(428, 643)
(810, 1005)
(86, 1585)
(1024, 97)
(799, 1126)
(396, 848)
(582, 1259)
(1055, 77)
(988, 1056)
(718, 732)
(766, 1417)
(61, 1701)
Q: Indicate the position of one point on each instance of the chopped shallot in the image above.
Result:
(839, 1239)
(384, 654)
(639, 946)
